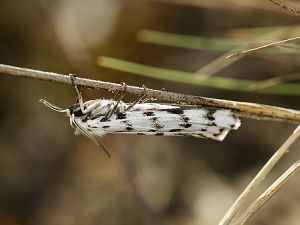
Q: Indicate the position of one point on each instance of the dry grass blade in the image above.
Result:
(271, 45)
(275, 80)
(221, 62)
(216, 65)
(286, 6)
(269, 193)
(234, 209)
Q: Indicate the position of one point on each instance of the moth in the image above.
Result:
(95, 118)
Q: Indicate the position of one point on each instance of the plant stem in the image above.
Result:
(243, 109)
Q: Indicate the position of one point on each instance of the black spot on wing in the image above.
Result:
(210, 114)
(203, 129)
(155, 122)
(159, 134)
(175, 130)
(129, 128)
(213, 124)
(152, 130)
(84, 119)
(149, 113)
(183, 134)
(125, 121)
(104, 119)
(106, 127)
(121, 116)
(158, 126)
(220, 131)
(141, 133)
(175, 111)
(185, 125)
(200, 135)
(185, 118)
(154, 119)
(232, 125)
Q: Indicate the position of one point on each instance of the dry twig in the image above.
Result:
(286, 6)
(243, 109)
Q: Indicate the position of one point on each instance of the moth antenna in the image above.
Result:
(51, 106)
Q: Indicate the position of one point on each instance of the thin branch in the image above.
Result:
(232, 212)
(271, 45)
(243, 109)
(286, 7)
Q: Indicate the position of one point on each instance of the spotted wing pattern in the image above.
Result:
(158, 119)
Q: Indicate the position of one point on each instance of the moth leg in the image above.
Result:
(147, 99)
(113, 106)
(139, 100)
(79, 96)
(121, 95)
(91, 107)
(118, 92)
(122, 92)
(80, 99)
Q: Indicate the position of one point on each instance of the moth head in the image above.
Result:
(71, 112)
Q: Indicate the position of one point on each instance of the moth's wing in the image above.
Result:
(219, 136)
(158, 119)
(196, 114)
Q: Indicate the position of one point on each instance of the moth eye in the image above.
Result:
(77, 112)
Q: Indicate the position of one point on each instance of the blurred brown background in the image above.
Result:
(49, 176)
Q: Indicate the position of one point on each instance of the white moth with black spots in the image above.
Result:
(98, 117)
